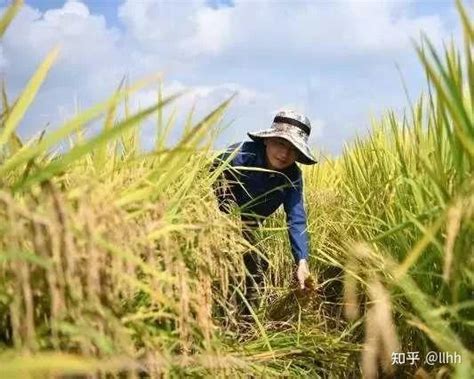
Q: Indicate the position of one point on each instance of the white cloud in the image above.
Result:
(160, 26)
(85, 43)
(212, 31)
(306, 29)
(332, 60)
(93, 59)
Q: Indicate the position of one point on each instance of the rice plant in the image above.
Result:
(116, 262)
(407, 192)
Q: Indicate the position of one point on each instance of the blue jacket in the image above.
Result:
(259, 194)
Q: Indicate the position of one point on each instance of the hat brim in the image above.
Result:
(305, 156)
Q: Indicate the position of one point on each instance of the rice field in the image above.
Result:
(116, 262)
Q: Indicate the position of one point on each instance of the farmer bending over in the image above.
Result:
(258, 194)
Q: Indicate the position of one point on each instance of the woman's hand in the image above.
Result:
(303, 272)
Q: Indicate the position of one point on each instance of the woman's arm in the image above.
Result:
(297, 228)
(296, 220)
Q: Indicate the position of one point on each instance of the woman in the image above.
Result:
(259, 193)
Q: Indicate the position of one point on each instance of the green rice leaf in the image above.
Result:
(27, 96)
(51, 139)
(59, 165)
(9, 15)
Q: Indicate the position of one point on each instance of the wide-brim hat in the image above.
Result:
(294, 128)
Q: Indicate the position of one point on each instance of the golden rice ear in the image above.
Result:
(371, 345)
(443, 372)
(362, 252)
(452, 229)
(350, 296)
(387, 327)
(421, 373)
(351, 300)
(379, 323)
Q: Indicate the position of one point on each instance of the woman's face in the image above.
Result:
(280, 153)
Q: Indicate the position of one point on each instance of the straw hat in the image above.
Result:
(295, 128)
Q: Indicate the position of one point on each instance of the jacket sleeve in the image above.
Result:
(296, 220)
(223, 186)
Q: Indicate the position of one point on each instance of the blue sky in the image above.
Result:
(333, 60)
